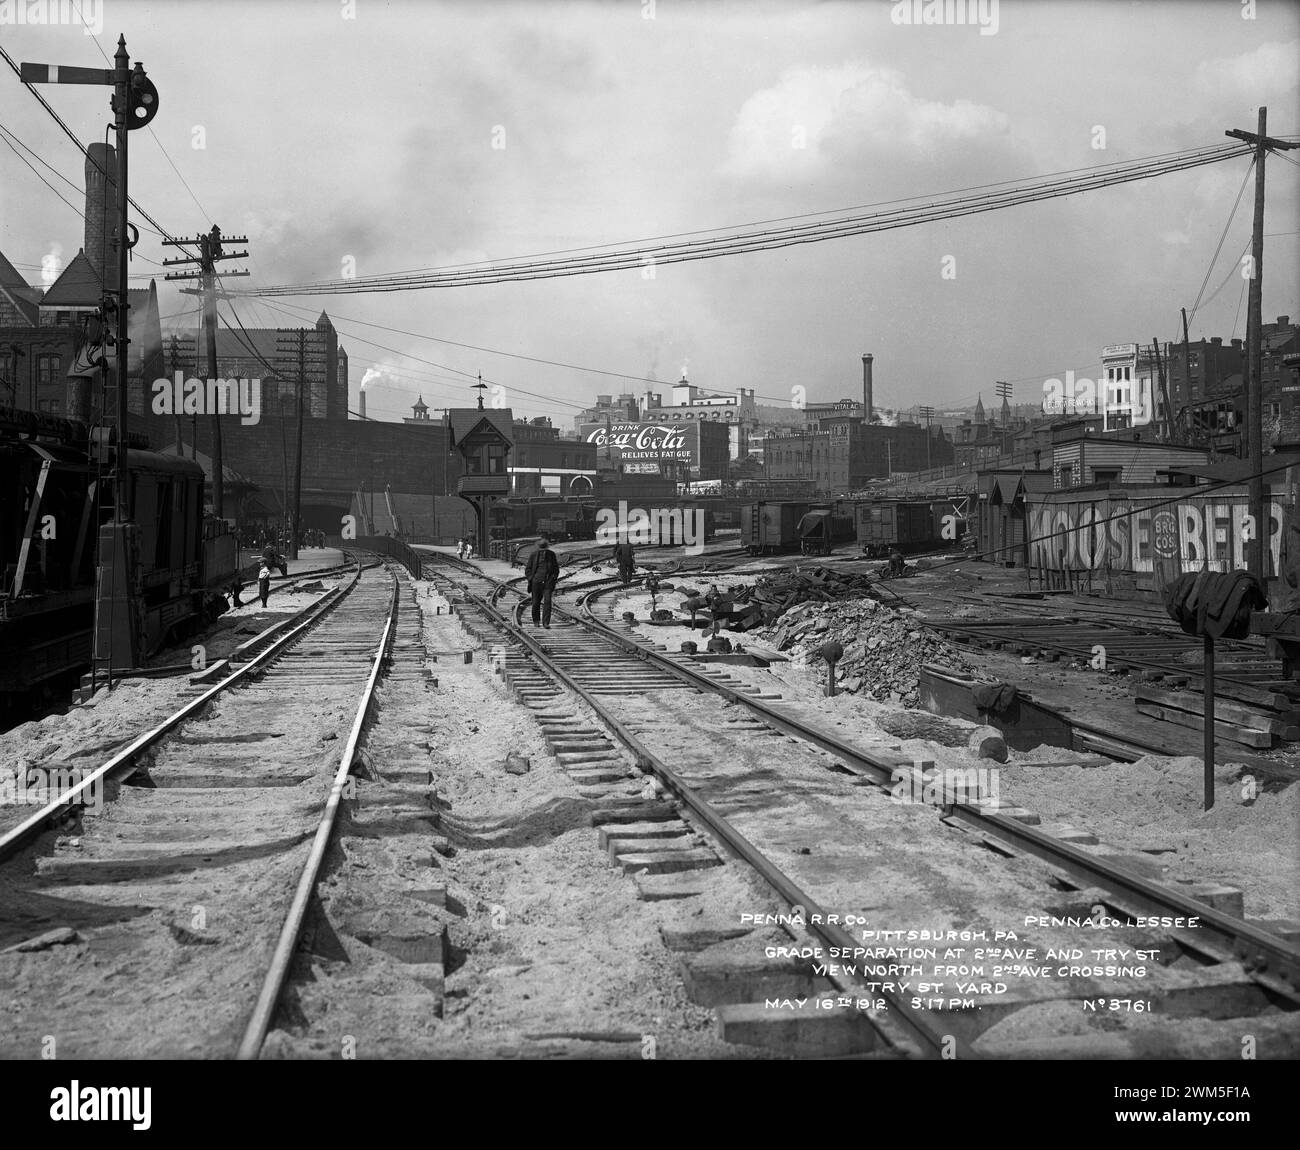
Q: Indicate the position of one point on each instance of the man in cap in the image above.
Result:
(541, 575)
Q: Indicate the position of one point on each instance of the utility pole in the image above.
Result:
(1164, 390)
(182, 349)
(1004, 392)
(1187, 367)
(210, 251)
(1254, 437)
(295, 342)
(927, 413)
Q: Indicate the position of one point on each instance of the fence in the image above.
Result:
(393, 548)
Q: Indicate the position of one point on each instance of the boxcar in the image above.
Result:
(886, 524)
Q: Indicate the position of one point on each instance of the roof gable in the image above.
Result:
(467, 422)
(77, 286)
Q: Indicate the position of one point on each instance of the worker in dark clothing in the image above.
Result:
(896, 564)
(541, 574)
(272, 559)
(264, 583)
(625, 557)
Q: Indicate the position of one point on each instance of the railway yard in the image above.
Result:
(385, 816)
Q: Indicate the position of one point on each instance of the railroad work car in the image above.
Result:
(180, 566)
(908, 526)
(814, 528)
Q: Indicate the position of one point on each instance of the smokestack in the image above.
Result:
(866, 389)
(101, 209)
(363, 401)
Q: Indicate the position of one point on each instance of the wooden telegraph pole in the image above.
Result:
(306, 365)
(210, 251)
(1254, 437)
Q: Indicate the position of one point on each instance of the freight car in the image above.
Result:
(909, 526)
(815, 528)
(179, 568)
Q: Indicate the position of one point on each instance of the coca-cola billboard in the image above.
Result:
(646, 443)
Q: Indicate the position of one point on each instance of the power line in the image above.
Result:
(949, 206)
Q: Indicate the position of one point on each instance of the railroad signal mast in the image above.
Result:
(134, 104)
(211, 250)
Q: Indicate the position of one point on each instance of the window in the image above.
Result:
(1275, 409)
(496, 459)
(564, 459)
(47, 368)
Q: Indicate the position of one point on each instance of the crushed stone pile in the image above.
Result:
(884, 649)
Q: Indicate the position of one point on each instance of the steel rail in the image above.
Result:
(1260, 951)
(933, 1040)
(122, 762)
(259, 1023)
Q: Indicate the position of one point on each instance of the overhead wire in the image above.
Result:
(625, 258)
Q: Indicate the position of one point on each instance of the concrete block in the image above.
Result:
(1228, 899)
(666, 862)
(1075, 835)
(633, 811)
(804, 1032)
(650, 846)
(726, 974)
(659, 887)
(699, 934)
(647, 830)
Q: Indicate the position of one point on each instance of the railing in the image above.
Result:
(393, 548)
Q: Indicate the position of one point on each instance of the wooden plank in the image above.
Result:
(1221, 730)
(1282, 723)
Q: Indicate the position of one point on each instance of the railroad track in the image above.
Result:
(165, 925)
(691, 769)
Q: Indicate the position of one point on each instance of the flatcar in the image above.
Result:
(179, 569)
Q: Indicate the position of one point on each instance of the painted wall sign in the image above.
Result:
(1148, 534)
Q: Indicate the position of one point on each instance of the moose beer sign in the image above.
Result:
(649, 443)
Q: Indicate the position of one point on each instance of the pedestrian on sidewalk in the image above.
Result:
(541, 575)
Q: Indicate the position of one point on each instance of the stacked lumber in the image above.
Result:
(1248, 723)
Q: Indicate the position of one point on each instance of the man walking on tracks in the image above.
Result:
(625, 557)
(541, 574)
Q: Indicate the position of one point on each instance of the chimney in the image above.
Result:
(1284, 321)
(101, 210)
(866, 389)
(363, 401)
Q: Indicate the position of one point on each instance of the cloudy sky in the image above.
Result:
(363, 131)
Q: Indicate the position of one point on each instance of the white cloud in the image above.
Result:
(814, 114)
(1269, 70)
